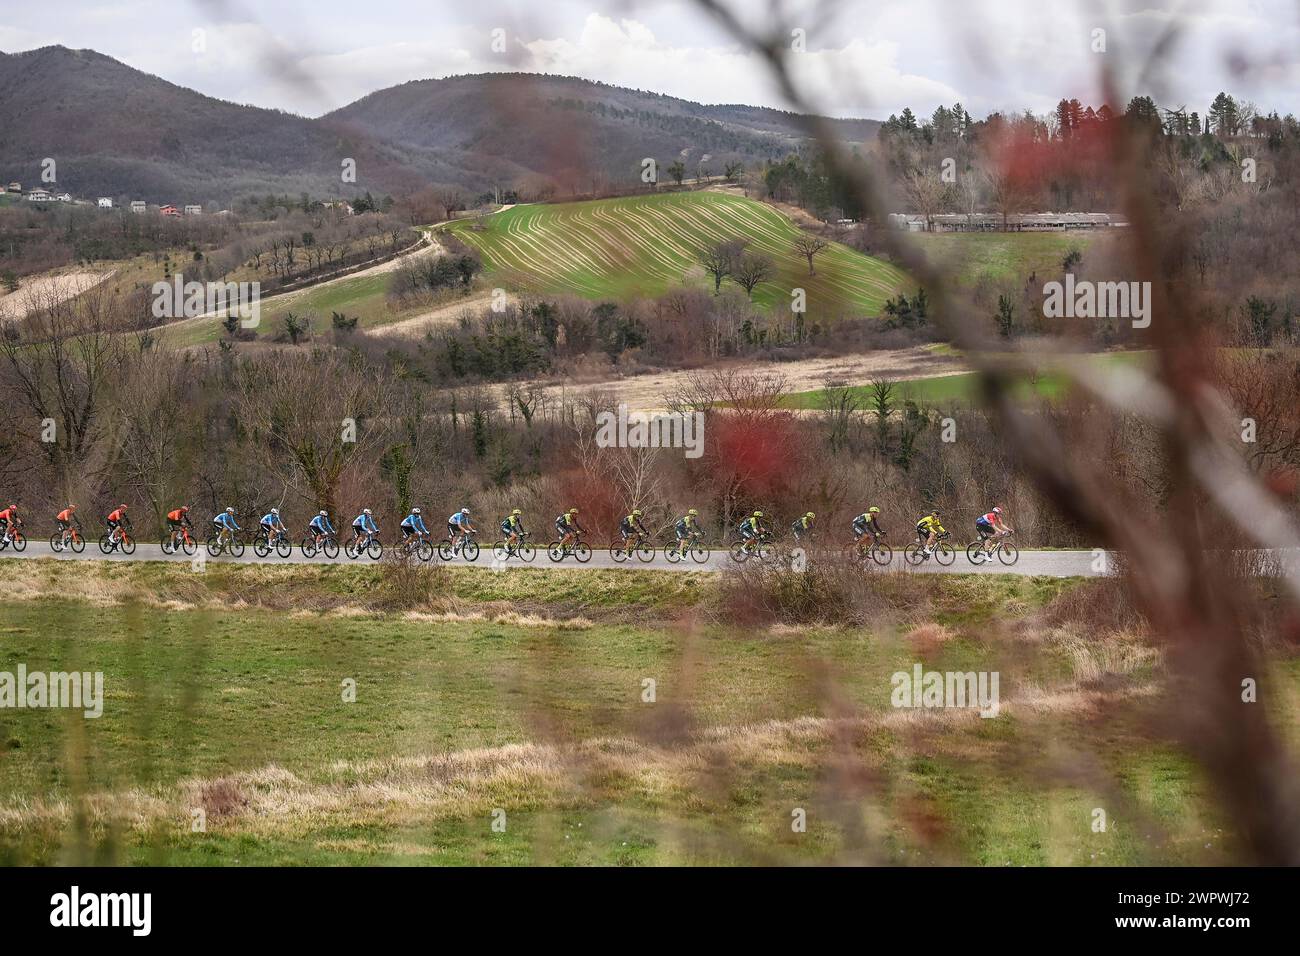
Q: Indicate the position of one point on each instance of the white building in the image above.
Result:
(138, 206)
(193, 210)
(39, 195)
(105, 202)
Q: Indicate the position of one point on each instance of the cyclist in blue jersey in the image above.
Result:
(271, 524)
(413, 524)
(459, 527)
(363, 526)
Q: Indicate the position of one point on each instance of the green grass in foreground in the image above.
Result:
(1002, 256)
(644, 245)
(240, 711)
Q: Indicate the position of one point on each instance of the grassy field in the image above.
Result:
(523, 693)
(960, 389)
(643, 245)
(1002, 256)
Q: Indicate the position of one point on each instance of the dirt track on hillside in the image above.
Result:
(48, 290)
(650, 392)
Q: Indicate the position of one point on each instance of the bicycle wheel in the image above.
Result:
(166, 544)
(582, 552)
(914, 554)
(975, 553)
(78, 543)
(501, 551)
(645, 553)
(425, 551)
(236, 547)
(350, 549)
(261, 547)
(446, 550)
(128, 545)
(56, 542)
(105, 545)
(554, 551)
(1008, 554)
(213, 545)
(282, 547)
(616, 550)
(20, 543)
(882, 554)
(526, 552)
(944, 553)
(375, 549)
(671, 554)
(739, 553)
(470, 551)
(188, 545)
(331, 547)
(699, 553)
(308, 546)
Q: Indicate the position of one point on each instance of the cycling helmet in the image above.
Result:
(324, 514)
(636, 512)
(275, 511)
(758, 514)
(464, 511)
(415, 511)
(230, 511)
(573, 511)
(183, 507)
(365, 511)
(692, 512)
(810, 515)
(997, 511)
(122, 507)
(516, 512)
(873, 510)
(935, 512)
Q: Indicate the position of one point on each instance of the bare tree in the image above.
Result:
(719, 260)
(808, 245)
(751, 269)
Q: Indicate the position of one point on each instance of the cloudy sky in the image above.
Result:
(866, 58)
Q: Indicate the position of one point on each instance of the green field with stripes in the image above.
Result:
(645, 245)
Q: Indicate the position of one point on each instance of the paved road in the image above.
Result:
(1051, 563)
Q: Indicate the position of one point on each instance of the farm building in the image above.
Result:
(105, 202)
(1014, 222)
(138, 206)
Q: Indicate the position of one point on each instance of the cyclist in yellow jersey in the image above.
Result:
(928, 530)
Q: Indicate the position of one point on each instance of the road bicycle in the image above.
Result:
(119, 539)
(676, 550)
(1006, 552)
(312, 542)
(869, 548)
(621, 551)
(760, 546)
(69, 538)
(915, 553)
(14, 536)
(414, 544)
(224, 541)
(463, 544)
(579, 550)
(263, 544)
(179, 540)
(367, 544)
(503, 550)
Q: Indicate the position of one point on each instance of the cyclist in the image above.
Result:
(459, 527)
(991, 526)
(688, 529)
(413, 524)
(512, 527)
(117, 521)
(66, 519)
(567, 525)
(867, 522)
(631, 527)
(320, 526)
(178, 519)
(225, 522)
(752, 527)
(928, 530)
(802, 526)
(272, 526)
(9, 517)
(363, 526)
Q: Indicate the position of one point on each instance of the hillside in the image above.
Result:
(574, 129)
(117, 131)
(642, 245)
